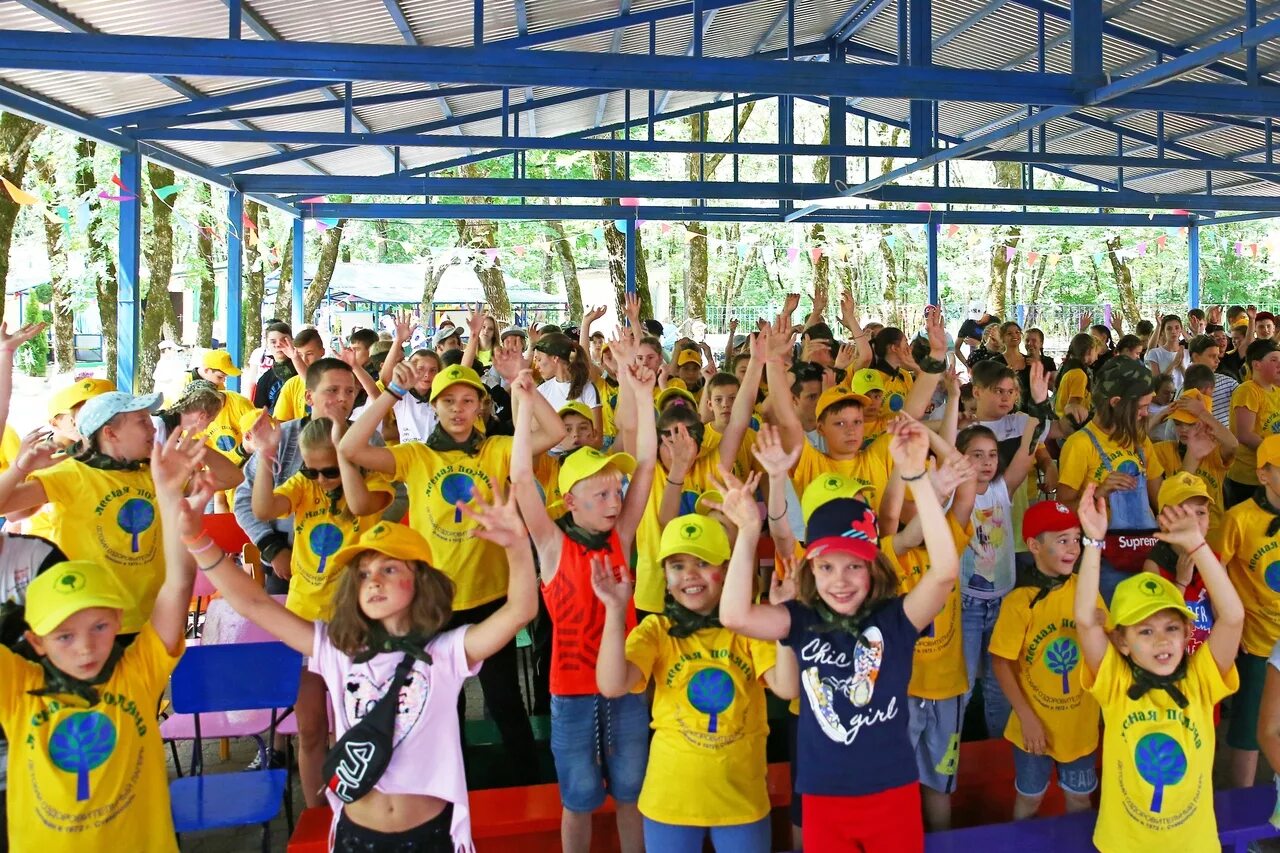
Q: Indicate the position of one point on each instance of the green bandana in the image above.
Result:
(1036, 579)
(685, 622)
(441, 442)
(589, 539)
(1144, 681)
(412, 644)
(832, 621)
(58, 682)
(1260, 498)
(94, 458)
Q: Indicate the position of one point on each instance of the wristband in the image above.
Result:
(222, 555)
(674, 483)
(778, 517)
(1197, 548)
(1092, 543)
(907, 479)
(929, 364)
(205, 547)
(191, 540)
(396, 391)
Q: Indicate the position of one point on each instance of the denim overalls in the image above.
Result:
(1130, 524)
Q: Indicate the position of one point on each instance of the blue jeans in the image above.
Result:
(598, 742)
(977, 622)
(738, 838)
(1032, 772)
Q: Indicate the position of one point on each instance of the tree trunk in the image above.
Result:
(64, 351)
(255, 278)
(478, 235)
(383, 229)
(101, 267)
(1008, 176)
(16, 136)
(1124, 281)
(319, 286)
(284, 290)
(605, 168)
(568, 268)
(817, 235)
(208, 290)
(159, 251)
(430, 282)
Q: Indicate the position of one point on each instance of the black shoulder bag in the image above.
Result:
(358, 760)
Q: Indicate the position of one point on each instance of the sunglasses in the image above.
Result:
(314, 473)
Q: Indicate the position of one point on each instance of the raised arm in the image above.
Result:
(547, 537)
(475, 326)
(9, 344)
(777, 463)
(633, 505)
(1091, 625)
(927, 377)
(614, 586)
(500, 523)
(267, 505)
(172, 465)
(357, 445)
(909, 447)
(1024, 459)
(776, 344)
(355, 490)
(743, 405)
(737, 610)
(683, 450)
(403, 332)
(37, 451)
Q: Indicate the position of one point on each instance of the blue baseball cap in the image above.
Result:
(96, 412)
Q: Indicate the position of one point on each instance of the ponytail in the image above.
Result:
(579, 371)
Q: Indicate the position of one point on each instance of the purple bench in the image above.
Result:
(1243, 816)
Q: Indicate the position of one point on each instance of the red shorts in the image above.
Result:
(886, 822)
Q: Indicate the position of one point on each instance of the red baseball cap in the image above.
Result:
(843, 524)
(1264, 315)
(1048, 517)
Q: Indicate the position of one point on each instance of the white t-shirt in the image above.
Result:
(556, 393)
(1162, 358)
(987, 565)
(414, 418)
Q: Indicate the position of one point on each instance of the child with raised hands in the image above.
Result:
(593, 738)
(87, 768)
(324, 522)
(1157, 701)
(854, 634)
(709, 715)
(387, 625)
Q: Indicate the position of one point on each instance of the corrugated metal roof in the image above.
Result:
(1004, 37)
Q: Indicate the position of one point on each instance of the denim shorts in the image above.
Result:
(934, 729)
(598, 743)
(1031, 773)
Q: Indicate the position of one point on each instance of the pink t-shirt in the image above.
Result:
(427, 757)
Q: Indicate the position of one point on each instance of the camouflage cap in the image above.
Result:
(1122, 377)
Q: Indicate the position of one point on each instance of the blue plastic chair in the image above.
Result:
(233, 677)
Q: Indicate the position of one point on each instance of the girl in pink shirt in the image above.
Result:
(389, 607)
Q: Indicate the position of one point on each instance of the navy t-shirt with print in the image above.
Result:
(853, 738)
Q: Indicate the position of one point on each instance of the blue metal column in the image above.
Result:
(932, 264)
(128, 320)
(299, 270)
(839, 170)
(921, 54)
(631, 255)
(1193, 262)
(1086, 43)
(235, 282)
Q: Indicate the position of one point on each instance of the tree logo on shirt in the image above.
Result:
(1061, 657)
(1160, 762)
(82, 743)
(711, 692)
(1271, 575)
(896, 402)
(325, 540)
(135, 517)
(226, 443)
(458, 488)
(1129, 467)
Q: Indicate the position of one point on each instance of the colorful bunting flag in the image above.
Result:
(627, 201)
(815, 254)
(952, 229)
(1161, 241)
(165, 192)
(19, 195)
(1032, 257)
(520, 250)
(1009, 253)
(1142, 248)
(793, 252)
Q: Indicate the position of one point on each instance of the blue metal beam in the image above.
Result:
(615, 44)
(128, 270)
(700, 29)
(1126, 199)
(213, 102)
(299, 271)
(235, 278)
(858, 16)
(920, 17)
(1086, 42)
(1193, 262)
(1131, 161)
(530, 187)
(1244, 217)
(522, 27)
(632, 251)
(931, 261)
(604, 25)
(406, 33)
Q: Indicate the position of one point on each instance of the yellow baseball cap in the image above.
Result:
(577, 407)
(66, 589)
(247, 419)
(698, 535)
(831, 396)
(219, 359)
(867, 380)
(398, 541)
(676, 388)
(587, 462)
(1269, 451)
(1139, 596)
(456, 375)
(66, 399)
(1184, 417)
(1180, 488)
(828, 487)
(702, 506)
(689, 356)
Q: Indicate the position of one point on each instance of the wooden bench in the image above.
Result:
(527, 820)
(1243, 817)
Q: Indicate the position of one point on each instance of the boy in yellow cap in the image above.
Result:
(1201, 446)
(66, 402)
(1250, 544)
(1157, 700)
(593, 537)
(87, 770)
(706, 769)
(458, 463)
(689, 370)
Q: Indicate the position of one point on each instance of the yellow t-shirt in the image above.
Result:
(1157, 759)
(896, 389)
(743, 461)
(319, 529)
(85, 778)
(435, 481)
(1044, 643)
(109, 518)
(1265, 406)
(608, 396)
(1073, 387)
(651, 582)
(707, 757)
(10, 444)
(1080, 462)
(937, 670)
(1213, 471)
(223, 434)
(871, 466)
(1253, 563)
(291, 402)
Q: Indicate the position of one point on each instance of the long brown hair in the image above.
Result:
(1120, 420)
(884, 583)
(430, 610)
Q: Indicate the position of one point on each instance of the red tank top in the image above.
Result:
(578, 617)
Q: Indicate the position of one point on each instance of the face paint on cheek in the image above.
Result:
(717, 577)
